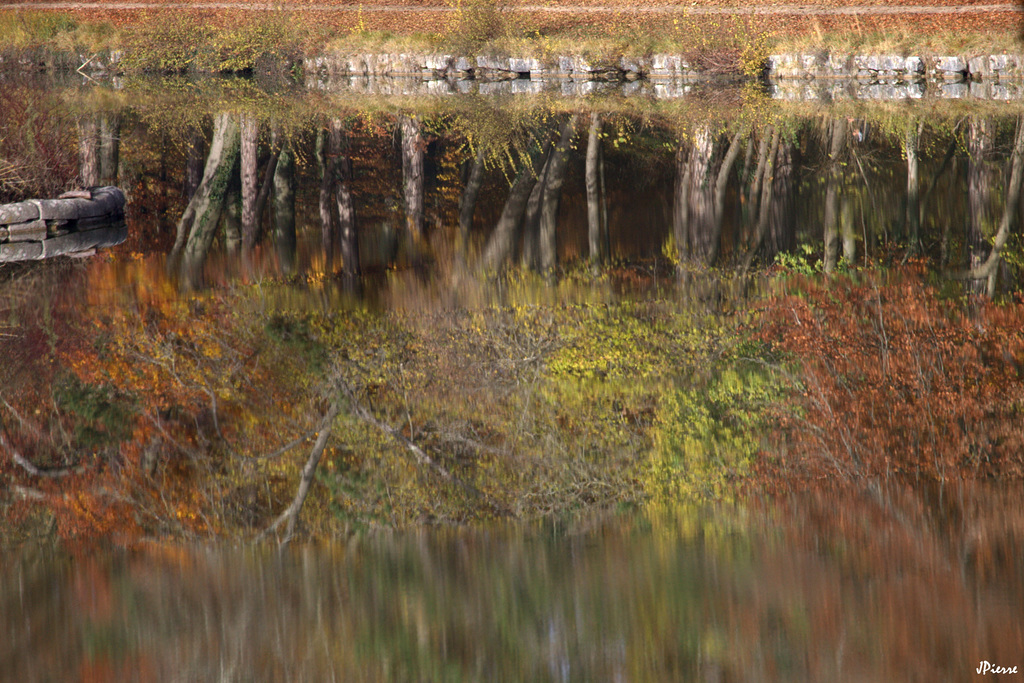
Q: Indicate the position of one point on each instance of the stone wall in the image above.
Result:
(999, 67)
(951, 68)
(41, 228)
(821, 64)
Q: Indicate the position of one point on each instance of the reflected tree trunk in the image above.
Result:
(748, 157)
(196, 156)
(680, 211)
(284, 204)
(412, 174)
(754, 191)
(980, 141)
(839, 134)
(701, 192)
(847, 230)
(593, 192)
(531, 219)
(502, 240)
(88, 151)
(201, 216)
(231, 217)
(911, 145)
(249, 133)
(782, 223)
(765, 200)
(110, 148)
(265, 190)
(721, 183)
(604, 203)
(984, 273)
(949, 157)
(552, 196)
(347, 236)
(467, 203)
(327, 173)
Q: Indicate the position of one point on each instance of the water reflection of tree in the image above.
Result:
(530, 213)
(724, 213)
(888, 584)
(339, 230)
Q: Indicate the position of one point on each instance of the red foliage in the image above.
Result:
(894, 380)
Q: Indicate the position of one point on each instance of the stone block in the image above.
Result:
(491, 63)
(20, 251)
(838, 91)
(665, 66)
(893, 64)
(631, 88)
(311, 65)
(524, 65)
(114, 192)
(839, 66)
(76, 242)
(788, 92)
(950, 68)
(978, 67)
(18, 213)
(33, 231)
(883, 91)
(867, 62)
(784, 66)
(810, 93)
(105, 204)
(57, 209)
(953, 91)
(358, 65)
(494, 87)
(437, 62)
(1005, 66)
(631, 65)
(406, 65)
(439, 86)
(914, 66)
(525, 86)
(582, 70)
(673, 89)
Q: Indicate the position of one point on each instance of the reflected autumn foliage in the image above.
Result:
(885, 584)
(894, 380)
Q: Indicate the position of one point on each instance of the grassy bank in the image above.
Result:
(238, 41)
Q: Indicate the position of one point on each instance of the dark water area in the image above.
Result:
(247, 202)
(672, 183)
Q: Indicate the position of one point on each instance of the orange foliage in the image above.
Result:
(192, 386)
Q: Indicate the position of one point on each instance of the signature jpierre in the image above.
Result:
(990, 668)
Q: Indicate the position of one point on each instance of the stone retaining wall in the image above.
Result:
(999, 67)
(956, 68)
(41, 228)
(490, 68)
(791, 89)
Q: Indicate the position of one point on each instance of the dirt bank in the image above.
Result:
(412, 16)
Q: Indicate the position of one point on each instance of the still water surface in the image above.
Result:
(810, 589)
(896, 583)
